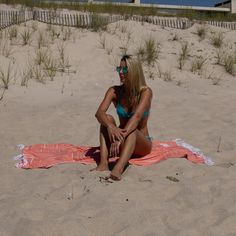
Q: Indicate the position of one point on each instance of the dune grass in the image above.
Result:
(102, 40)
(148, 51)
(167, 76)
(41, 56)
(26, 74)
(13, 32)
(63, 61)
(202, 31)
(26, 36)
(51, 67)
(42, 41)
(125, 10)
(183, 54)
(197, 64)
(217, 39)
(98, 22)
(230, 64)
(6, 49)
(5, 77)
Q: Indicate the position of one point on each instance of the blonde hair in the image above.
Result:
(135, 78)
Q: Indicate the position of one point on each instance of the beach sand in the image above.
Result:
(70, 200)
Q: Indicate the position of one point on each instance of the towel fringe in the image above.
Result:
(207, 160)
(22, 160)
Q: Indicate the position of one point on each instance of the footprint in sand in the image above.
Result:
(225, 165)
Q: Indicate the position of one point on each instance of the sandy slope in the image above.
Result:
(68, 199)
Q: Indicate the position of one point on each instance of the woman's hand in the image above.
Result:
(116, 134)
(115, 149)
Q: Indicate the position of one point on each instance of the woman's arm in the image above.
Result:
(144, 104)
(114, 132)
(101, 112)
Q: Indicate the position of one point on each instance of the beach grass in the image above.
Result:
(217, 39)
(197, 64)
(5, 48)
(229, 64)
(125, 10)
(26, 36)
(183, 54)
(5, 77)
(202, 31)
(152, 50)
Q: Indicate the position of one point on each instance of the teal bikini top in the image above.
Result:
(121, 112)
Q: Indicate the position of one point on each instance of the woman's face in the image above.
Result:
(123, 71)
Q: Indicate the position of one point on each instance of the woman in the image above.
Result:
(132, 100)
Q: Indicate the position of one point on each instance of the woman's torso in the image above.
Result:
(125, 112)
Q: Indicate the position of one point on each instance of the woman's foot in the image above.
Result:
(101, 167)
(116, 174)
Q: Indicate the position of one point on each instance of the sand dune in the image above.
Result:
(68, 199)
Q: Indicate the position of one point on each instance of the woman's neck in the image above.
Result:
(127, 96)
(126, 91)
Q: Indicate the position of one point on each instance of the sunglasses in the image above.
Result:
(123, 69)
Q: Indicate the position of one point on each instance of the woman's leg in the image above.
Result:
(135, 144)
(104, 146)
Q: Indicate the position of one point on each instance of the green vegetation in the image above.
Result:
(152, 50)
(229, 64)
(26, 37)
(197, 64)
(217, 39)
(202, 31)
(183, 54)
(110, 8)
(6, 77)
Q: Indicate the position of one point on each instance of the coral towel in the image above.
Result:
(47, 155)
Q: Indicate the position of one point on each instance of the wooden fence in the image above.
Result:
(165, 22)
(88, 20)
(8, 18)
(84, 20)
(227, 25)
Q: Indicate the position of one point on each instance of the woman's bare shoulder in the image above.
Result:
(114, 88)
(147, 91)
(114, 92)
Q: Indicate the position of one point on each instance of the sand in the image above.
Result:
(70, 200)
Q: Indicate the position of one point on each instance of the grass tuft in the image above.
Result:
(152, 50)
(217, 39)
(41, 56)
(38, 74)
(63, 60)
(6, 77)
(167, 76)
(25, 76)
(26, 37)
(41, 40)
(202, 31)
(66, 34)
(13, 32)
(98, 22)
(229, 64)
(183, 54)
(6, 49)
(197, 64)
(51, 67)
(102, 40)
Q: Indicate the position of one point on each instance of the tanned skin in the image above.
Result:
(130, 137)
